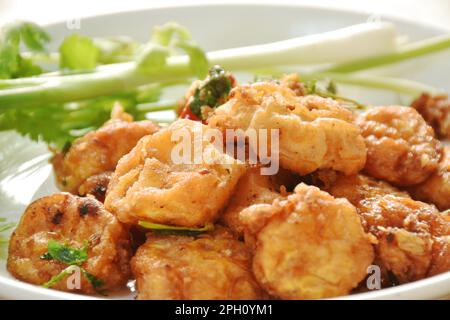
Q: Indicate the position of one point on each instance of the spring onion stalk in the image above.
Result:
(125, 76)
(365, 39)
(406, 52)
(317, 48)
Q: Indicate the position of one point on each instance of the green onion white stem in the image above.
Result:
(405, 52)
(368, 39)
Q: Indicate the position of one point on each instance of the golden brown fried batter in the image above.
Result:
(96, 186)
(436, 111)
(149, 185)
(308, 246)
(211, 266)
(314, 132)
(293, 82)
(401, 147)
(100, 150)
(74, 221)
(253, 188)
(436, 189)
(413, 237)
(356, 188)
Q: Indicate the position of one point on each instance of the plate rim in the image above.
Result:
(389, 293)
(268, 4)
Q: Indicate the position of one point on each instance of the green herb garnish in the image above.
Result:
(78, 53)
(162, 229)
(96, 283)
(67, 254)
(212, 92)
(55, 279)
(72, 257)
(174, 36)
(33, 37)
(327, 89)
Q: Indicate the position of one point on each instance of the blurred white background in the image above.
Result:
(432, 12)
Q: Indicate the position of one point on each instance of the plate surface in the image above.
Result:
(25, 174)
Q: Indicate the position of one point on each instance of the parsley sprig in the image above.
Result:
(71, 257)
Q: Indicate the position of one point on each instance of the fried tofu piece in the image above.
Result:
(96, 186)
(412, 236)
(436, 189)
(356, 188)
(253, 188)
(210, 266)
(99, 150)
(401, 147)
(151, 184)
(436, 112)
(72, 221)
(308, 246)
(314, 132)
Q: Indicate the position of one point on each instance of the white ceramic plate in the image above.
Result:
(26, 175)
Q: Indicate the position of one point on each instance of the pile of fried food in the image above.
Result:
(354, 189)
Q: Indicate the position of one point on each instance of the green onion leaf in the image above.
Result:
(163, 229)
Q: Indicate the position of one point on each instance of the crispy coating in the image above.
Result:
(149, 185)
(314, 132)
(413, 237)
(96, 186)
(99, 151)
(401, 147)
(436, 112)
(293, 82)
(308, 246)
(436, 189)
(253, 188)
(74, 221)
(211, 266)
(356, 188)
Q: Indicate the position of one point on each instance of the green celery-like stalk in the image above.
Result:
(406, 52)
